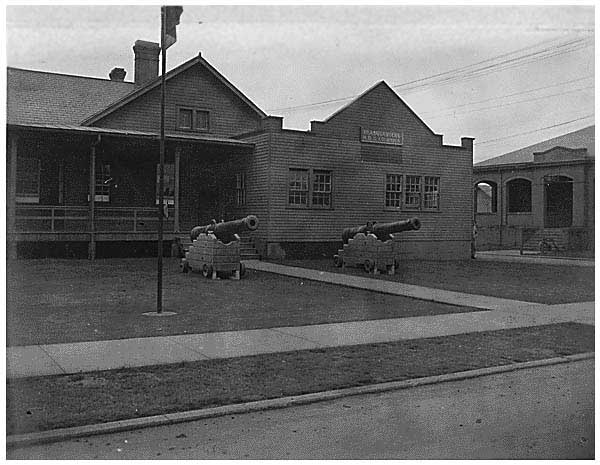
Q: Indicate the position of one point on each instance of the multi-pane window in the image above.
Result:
(28, 180)
(412, 198)
(185, 119)
(103, 182)
(431, 194)
(393, 190)
(298, 187)
(240, 188)
(191, 119)
(201, 122)
(168, 184)
(321, 194)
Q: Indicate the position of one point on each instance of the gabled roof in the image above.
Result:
(51, 98)
(368, 91)
(174, 72)
(581, 139)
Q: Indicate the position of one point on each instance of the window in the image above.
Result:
(190, 119)
(486, 197)
(103, 181)
(298, 187)
(393, 190)
(185, 119)
(240, 188)
(28, 180)
(412, 197)
(201, 122)
(169, 184)
(431, 194)
(321, 195)
(519, 196)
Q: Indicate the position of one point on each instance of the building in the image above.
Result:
(542, 191)
(72, 139)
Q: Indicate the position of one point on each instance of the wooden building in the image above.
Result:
(72, 139)
(544, 191)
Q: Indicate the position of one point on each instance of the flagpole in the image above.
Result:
(161, 176)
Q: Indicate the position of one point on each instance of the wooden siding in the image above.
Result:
(359, 189)
(194, 88)
(380, 109)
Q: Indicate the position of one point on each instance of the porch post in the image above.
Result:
(176, 205)
(11, 244)
(92, 243)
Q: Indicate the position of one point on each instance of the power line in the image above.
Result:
(512, 103)
(534, 130)
(508, 95)
(454, 74)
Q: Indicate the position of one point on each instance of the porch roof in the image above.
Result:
(132, 133)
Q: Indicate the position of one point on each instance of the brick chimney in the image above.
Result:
(117, 74)
(146, 61)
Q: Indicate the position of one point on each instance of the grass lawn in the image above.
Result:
(41, 403)
(548, 284)
(52, 301)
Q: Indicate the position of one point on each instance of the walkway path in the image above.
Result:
(497, 314)
(514, 256)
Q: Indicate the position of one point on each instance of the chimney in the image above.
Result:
(467, 143)
(117, 74)
(146, 61)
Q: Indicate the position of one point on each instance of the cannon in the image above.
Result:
(383, 231)
(215, 248)
(226, 230)
(370, 245)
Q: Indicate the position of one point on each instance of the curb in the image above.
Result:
(284, 402)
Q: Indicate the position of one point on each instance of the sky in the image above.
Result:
(509, 76)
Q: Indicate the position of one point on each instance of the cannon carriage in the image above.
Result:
(371, 245)
(215, 249)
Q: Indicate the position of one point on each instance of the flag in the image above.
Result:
(171, 18)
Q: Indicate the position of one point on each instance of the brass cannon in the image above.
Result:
(226, 231)
(383, 231)
(215, 248)
(371, 245)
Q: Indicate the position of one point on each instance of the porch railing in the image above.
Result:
(75, 219)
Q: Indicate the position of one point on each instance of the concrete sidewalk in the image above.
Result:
(496, 314)
(42, 360)
(514, 256)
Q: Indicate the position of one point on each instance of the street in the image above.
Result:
(541, 413)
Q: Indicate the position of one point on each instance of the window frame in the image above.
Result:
(240, 189)
(437, 193)
(102, 188)
(193, 119)
(311, 174)
(167, 199)
(24, 197)
(417, 206)
(399, 193)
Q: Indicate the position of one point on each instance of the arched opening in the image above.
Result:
(558, 194)
(518, 193)
(486, 197)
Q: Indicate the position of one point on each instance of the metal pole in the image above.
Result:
(161, 176)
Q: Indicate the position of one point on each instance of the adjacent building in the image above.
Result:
(83, 156)
(544, 191)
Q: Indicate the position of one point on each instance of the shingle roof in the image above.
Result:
(51, 98)
(581, 139)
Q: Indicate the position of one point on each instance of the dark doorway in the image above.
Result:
(559, 201)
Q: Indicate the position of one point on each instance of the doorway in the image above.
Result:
(559, 201)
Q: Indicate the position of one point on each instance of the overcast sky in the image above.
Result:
(534, 66)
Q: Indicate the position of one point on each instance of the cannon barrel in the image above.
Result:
(383, 231)
(226, 231)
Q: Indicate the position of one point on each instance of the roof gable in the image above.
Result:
(168, 77)
(378, 108)
(581, 139)
(37, 97)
